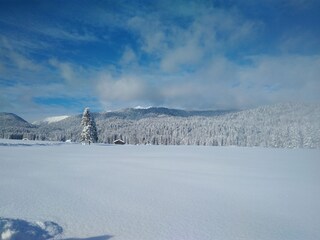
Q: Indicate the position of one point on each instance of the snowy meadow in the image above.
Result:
(70, 191)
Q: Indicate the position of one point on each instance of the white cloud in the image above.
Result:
(225, 84)
(151, 31)
(283, 78)
(122, 89)
(176, 46)
(188, 54)
(65, 69)
(219, 84)
(74, 75)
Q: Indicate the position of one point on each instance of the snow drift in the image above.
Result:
(163, 192)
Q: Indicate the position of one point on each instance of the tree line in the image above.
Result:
(288, 126)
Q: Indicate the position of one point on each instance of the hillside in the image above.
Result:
(12, 120)
(139, 113)
(15, 127)
(282, 125)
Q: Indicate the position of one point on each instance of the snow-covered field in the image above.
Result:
(98, 192)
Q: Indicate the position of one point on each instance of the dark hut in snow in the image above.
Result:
(119, 141)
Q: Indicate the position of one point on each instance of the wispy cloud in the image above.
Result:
(15, 58)
(67, 71)
(68, 35)
(210, 33)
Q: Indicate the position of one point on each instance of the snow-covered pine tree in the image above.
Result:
(89, 132)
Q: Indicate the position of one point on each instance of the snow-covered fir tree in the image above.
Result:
(89, 131)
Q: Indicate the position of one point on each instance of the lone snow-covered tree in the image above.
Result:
(89, 132)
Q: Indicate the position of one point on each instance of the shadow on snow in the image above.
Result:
(18, 229)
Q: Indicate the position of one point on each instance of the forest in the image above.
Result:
(281, 126)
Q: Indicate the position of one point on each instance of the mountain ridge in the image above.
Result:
(13, 119)
(138, 113)
(280, 125)
(50, 119)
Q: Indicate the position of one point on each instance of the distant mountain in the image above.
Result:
(139, 113)
(13, 120)
(13, 126)
(50, 120)
(281, 125)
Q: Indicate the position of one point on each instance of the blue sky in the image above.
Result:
(57, 57)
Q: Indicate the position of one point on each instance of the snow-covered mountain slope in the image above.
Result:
(50, 120)
(13, 126)
(12, 120)
(282, 125)
(159, 192)
(140, 107)
(140, 113)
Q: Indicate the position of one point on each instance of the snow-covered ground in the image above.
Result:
(71, 191)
